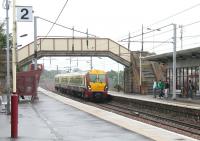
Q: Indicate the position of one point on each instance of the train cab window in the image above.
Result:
(93, 77)
(102, 78)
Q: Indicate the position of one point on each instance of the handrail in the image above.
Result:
(60, 45)
(157, 71)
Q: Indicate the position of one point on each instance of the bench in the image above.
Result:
(179, 93)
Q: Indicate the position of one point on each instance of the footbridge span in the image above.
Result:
(98, 47)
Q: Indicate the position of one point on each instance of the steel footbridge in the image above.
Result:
(77, 46)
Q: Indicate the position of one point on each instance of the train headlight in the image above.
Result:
(89, 87)
(106, 88)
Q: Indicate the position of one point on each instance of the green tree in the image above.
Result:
(48, 75)
(2, 36)
(113, 79)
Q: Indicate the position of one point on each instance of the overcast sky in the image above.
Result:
(112, 19)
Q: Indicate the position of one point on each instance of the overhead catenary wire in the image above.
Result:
(191, 23)
(55, 23)
(176, 14)
(67, 27)
(168, 40)
(146, 32)
(186, 25)
(160, 33)
(80, 31)
(164, 19)
(57, 18)
(190, 36)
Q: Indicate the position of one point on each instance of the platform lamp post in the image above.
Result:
(174, 62)
(91, 66)
(118, 88)
(14, 97)
(199, 80)
(7, 59)
(35, 42)
(140, 58)
(87, 44)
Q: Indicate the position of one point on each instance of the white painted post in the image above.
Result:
(174, 63)
(35, 43)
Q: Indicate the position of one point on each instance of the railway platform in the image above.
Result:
(180, 101)
(55, 118)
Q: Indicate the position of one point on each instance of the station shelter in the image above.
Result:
(187, 68)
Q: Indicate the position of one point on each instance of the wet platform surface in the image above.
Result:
(51, 120)
(55, 118)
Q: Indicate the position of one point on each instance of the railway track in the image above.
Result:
(167, 121)
(149, 116)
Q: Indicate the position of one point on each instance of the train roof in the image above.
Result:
(71, 74)
(81, 73)
(96, 71)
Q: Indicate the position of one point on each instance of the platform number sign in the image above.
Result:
(24, 13)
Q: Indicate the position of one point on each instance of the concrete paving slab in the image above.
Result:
(147, 130)
(51, 120)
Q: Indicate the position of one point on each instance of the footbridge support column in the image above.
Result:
(132, 75)
(128, 80)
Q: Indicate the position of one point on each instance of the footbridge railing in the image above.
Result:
(65, 46)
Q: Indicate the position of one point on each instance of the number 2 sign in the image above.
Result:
(24, 13)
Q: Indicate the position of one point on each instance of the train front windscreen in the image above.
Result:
(97, 78)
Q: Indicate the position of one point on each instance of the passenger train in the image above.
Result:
(91, 85)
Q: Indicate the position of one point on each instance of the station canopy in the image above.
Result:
(193, 53)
